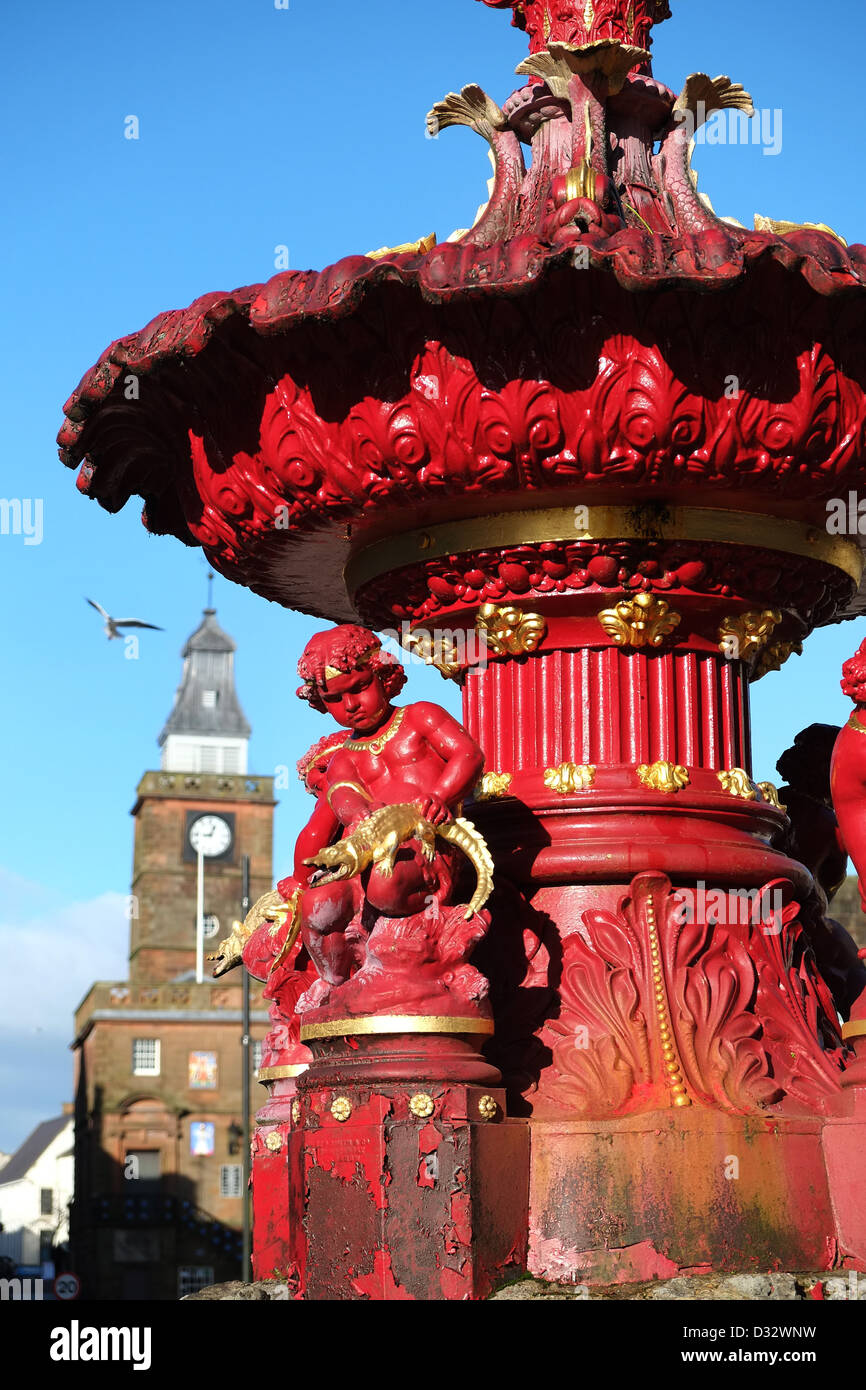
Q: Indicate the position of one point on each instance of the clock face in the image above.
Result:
(211, 835)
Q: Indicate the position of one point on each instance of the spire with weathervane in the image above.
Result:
(206, 730)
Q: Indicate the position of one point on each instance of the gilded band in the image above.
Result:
(395, 1023)
(649, 522)
(281, 1073)
(855, 1029)
(354, 787)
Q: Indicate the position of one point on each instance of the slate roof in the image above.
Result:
(208, 664)
(35, 1144)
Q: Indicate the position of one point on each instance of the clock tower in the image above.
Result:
(201, 798)
(159, 1062)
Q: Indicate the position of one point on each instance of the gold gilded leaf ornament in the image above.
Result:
(509, 631)
(744, 636)
(737, 782)
(569, 777)
(644, 621)
(493, 785)
(663, 776)
(770, 792)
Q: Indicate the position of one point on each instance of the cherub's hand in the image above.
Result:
(434, 809)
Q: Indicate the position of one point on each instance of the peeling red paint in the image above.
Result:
(348, 1153)
(381, 1205)
(429, 1138)
(635, 1263)
(461, 1215)
(380, 1284)
(457, 1284)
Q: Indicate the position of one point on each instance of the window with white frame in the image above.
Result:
(191, 1278)
(231, 1179)
(209, 699)
(145, 1056)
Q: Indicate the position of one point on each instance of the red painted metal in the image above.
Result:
(665, 984)
(575, 22)
(602, 706)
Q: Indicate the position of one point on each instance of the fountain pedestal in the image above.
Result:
(584, 455)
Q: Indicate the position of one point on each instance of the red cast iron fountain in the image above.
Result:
(581, 452)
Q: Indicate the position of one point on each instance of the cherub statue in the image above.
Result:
(848, 769)
(269, 941)
(848, 790)
(813, 839)
(369, 918)
(381, 923)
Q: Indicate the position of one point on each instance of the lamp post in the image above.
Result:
(245, 1074)
(199, 919)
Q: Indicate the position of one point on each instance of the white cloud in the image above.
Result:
(52, 952)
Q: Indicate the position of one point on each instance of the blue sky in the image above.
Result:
(258, 127)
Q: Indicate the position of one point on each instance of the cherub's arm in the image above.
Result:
(347, 796)
(319, 831)
(464, 760)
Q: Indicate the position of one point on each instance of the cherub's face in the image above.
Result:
(356, 700)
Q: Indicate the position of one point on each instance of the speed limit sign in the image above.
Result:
(67, 1286)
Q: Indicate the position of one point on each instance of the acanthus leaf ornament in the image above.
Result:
(664, 999)
(605, 60)
(580, 22)
(663, 776)
(737, 782)
(509, 631)
(569, 778)
(743, 637)
(493, 785)
(644, 621)
(770, 792)
(435, 650)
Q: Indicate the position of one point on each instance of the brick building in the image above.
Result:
(159, 1195)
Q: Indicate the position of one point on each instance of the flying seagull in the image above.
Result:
(112, 624)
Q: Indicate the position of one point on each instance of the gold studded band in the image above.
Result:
(648, 523)
(395, 1023)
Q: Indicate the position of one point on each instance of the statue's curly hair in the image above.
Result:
(854, 676)
(311, 767)
(345, 648)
